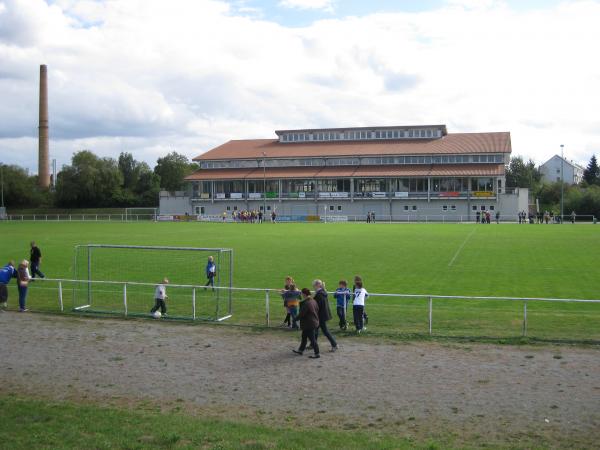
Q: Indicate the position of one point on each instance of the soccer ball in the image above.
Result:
(156, 314)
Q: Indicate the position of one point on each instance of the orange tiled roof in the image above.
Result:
(422, 170)
(454, 143)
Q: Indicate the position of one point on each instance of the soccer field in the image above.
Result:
(444, 259)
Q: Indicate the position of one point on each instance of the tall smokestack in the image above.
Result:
(43, 162)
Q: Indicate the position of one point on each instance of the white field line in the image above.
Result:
(461, 247)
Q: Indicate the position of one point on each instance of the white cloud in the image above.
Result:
(146, 76)
(324, 5)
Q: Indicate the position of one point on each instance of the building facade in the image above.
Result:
(551, 170)
(344, 173)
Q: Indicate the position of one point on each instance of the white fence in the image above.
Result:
(413, 313)
(407, 218)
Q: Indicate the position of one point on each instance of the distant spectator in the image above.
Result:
(309, 322)
(487, 217)
(6, 274)
(23, 278)
(369, 217)
(373, 217)
(497, 216)
(260, 217)
(477, 215)
(36, 261)
(573, 216)
(273, 217)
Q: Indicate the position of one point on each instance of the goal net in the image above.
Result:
(141, 213)
(120, 279)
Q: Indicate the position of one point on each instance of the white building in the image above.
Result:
(551, 169)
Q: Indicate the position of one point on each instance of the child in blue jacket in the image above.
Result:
(342, 295)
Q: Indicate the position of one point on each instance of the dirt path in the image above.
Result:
(488, 393)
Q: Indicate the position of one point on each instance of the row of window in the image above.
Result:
(355, 135)
(454, 185)
(370, 161)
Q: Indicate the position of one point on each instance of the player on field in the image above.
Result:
(342, 296)
(211, 272)
(36, 260)
(358, 305)
(160, 295)
(6, 274)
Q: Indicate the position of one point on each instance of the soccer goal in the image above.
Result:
(141, 213)
(120, 279)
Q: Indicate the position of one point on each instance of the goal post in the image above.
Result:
(141, 214)
(120, 279)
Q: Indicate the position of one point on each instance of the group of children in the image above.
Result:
(23, 276)
(343, 295)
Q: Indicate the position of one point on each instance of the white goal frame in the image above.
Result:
(152, 211)
(228, 290)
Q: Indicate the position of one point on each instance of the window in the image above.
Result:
(474, 207)
(453, 207)
(331, 208)
(268, 208)
(339, 207)
(445, 208)
(229, 208)
(405, 207)
(557, 170)
(414, 208)
(491, 207)
(482, 208)
(235, 208)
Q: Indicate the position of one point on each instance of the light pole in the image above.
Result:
(562, 182)
(2, 182)
(264, 184)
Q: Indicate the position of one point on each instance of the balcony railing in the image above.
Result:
(344, 195)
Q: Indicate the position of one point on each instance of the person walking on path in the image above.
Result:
(309, 322)
(23, 278)
(36, 260)
(211, 272)
(324, 313)
(7, 273)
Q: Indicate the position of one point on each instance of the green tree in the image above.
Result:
(172, 169)
(140, 184)
(89, 182)
(591, 174)
(21, 189)
(522, 174)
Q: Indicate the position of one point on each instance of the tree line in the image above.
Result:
(94, 182)
(583, 198)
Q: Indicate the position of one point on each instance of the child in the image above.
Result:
(211, 272)
(291, 299)
(342, 295)
(289, 281)
(23, 278)
(160, 295)
(358, 305)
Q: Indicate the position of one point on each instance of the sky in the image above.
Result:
(151, 76)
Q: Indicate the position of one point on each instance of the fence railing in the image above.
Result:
(401, 218)
(388, 313)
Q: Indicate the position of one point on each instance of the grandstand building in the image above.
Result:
(343, 173)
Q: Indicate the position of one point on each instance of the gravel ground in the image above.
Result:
(477, 393)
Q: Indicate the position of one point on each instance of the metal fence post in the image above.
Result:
(60, 297)
(430, 314)
(125, 297)
(194, 304)
(524, 319)
(268, 317)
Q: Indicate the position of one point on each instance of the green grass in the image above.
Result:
(52, 425)
(451, 259)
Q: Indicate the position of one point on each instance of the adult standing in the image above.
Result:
(260, 217)
(573, 216)
(36, 260)
(324, 313)
(23, 278)
(309, 322)
(497, 216)
(6, 274)
(273, 217)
